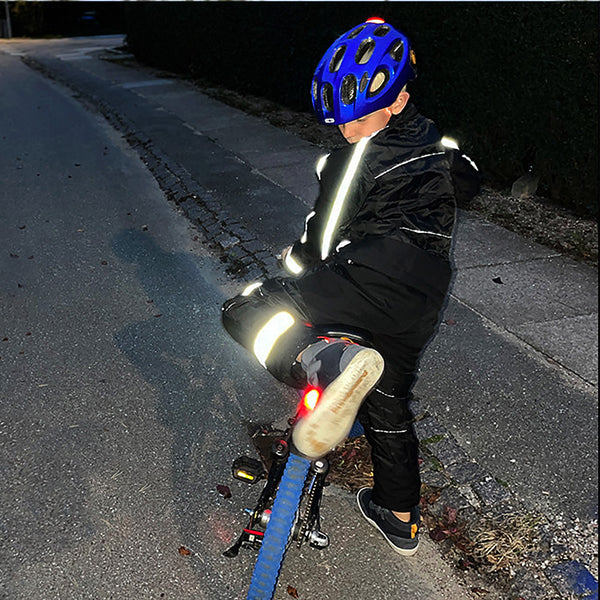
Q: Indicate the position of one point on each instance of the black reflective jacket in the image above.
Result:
(388, 203)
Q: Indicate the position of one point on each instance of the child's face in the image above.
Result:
(365, 126)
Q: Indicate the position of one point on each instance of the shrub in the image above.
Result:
(516, 84)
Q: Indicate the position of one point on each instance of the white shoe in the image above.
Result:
(330, 422)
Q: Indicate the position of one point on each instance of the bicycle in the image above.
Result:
(288, 508)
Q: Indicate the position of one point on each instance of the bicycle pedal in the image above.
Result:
(318, 539)
(247, 469)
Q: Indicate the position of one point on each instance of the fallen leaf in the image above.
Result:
(292, 591)
(479, 591)
(497, 280)
(437, 534)
(350, 455)
(450, 322)
(224, 491)
(23, 227)
(28, 333)
(451, 514)
(5, 339)
(158, 315)
(184, 551)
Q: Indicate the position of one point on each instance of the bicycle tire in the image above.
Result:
(279, 528)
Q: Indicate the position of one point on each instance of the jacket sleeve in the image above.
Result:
(344, 182)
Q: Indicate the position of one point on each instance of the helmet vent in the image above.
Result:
(315, 90)
(378, 82)
(355, 33)
(336, 59)
(327, 93)
(365, 51)
(397, 50)
(363, 82)
(382, 30)
(348, 89)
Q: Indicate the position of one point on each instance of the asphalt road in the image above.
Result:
(119, 405)
(122, 401)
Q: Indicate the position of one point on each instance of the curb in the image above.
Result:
(246, 257)
(464, 486)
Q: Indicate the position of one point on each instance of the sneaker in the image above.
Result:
(346, 372)
(401, 536)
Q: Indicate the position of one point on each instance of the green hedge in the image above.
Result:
(516, 83)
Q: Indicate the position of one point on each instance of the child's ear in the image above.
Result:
(401, 101)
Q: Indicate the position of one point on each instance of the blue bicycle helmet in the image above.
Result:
(364, 70)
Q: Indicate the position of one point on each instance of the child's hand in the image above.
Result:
(284, 253)
(281, 257)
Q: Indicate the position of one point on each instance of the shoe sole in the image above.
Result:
(331, 421)
(401, 551)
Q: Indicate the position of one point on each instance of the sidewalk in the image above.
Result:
(511, 379)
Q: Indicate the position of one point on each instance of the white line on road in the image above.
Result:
(74, 57)
(136, 84)
(79, 53)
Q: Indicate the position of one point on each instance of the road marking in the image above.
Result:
(74, 57)
(79, 53)
(150, 82)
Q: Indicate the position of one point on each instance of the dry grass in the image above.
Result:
(500, 544)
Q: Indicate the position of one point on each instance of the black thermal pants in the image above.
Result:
(398, 319)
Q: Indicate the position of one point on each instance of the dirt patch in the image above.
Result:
(539, 220)
(351, 466)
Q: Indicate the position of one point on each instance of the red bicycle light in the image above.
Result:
(311, 397)
(375, 20)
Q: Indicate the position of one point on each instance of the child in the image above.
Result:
(373, 261)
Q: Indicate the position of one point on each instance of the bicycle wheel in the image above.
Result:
(279, 529)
